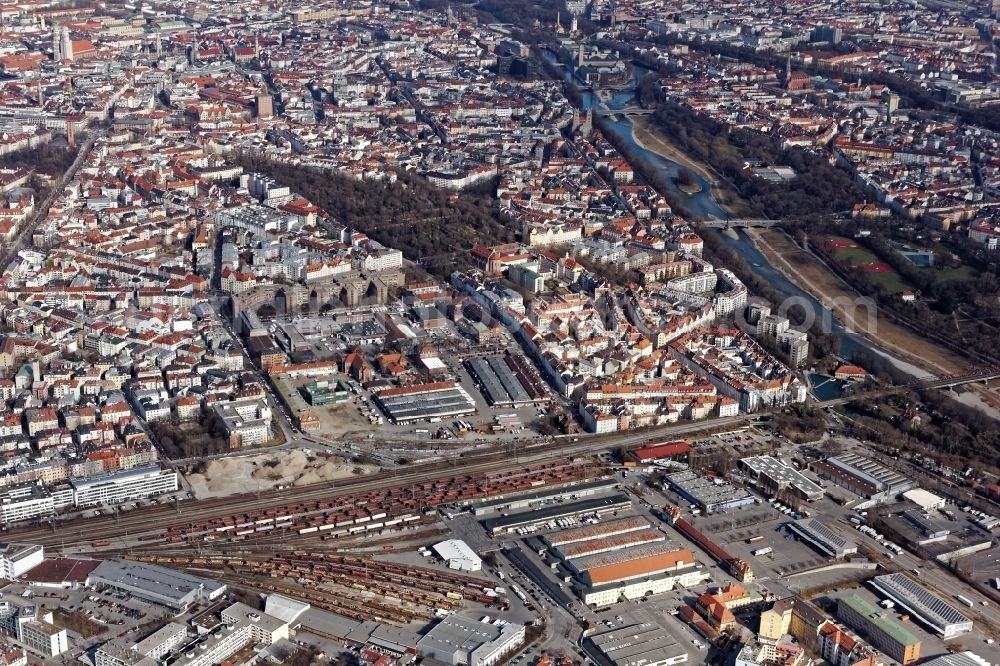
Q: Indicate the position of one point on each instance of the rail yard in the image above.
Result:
(124, 529)
(358, 554)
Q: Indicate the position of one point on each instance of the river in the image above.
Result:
(703, 204)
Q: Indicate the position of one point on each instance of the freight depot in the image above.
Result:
(375, 509)
(399, 592)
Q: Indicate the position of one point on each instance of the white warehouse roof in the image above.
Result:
(285, 608)
(458, 555)
(924, 499)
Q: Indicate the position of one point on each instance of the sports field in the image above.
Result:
(852, 256)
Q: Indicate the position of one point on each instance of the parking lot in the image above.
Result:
(90, 617)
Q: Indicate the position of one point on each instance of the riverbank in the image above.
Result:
(809, 274)
(647, 136)
(910, 352)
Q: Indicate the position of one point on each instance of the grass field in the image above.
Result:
(959, 273)
(850, 254)
(941, 250)
(813, 276)
(891, 281)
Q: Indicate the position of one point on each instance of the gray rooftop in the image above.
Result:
(457, 633)
(638, 644)
(18, 551)
(536, 516)
(706, 490)
(781, 474)
(243, 613)
(823, 537)
(871, 472)
(546, 494)
(155, 583)
(958, 659)
(934, 611)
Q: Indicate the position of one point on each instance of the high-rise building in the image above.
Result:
(826, 33)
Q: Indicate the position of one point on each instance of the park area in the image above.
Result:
(851, 256)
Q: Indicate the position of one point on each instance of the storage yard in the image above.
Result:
(370, 511)
(354, 587)
(225, 476)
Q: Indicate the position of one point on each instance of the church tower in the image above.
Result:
(56, 44)
(66, 42)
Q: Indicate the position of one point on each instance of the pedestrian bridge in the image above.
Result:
(605, 110)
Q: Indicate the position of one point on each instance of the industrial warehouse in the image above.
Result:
(862, 476)
(773, 476)
(933, 533)
(711, 494)
(530, 520)
(635, 572)
(154, 583)
(589, 533)
(425, 402)
(609, 543)
(505, 382)
(670, 452)
(822, 538)
(589, 537)
(457, 640)
(457, 555)
(938, 615)
(638, 645)
(538, 498)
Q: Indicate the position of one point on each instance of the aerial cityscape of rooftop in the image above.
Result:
(500, 333)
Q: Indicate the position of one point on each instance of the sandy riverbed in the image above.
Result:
(650, 138)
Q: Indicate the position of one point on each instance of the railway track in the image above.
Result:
(153, 519)
(80, 533)
(355, 586)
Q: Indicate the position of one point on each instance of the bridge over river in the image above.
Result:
(745, 222)
(982, 374)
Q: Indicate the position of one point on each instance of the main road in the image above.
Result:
(11, 249)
